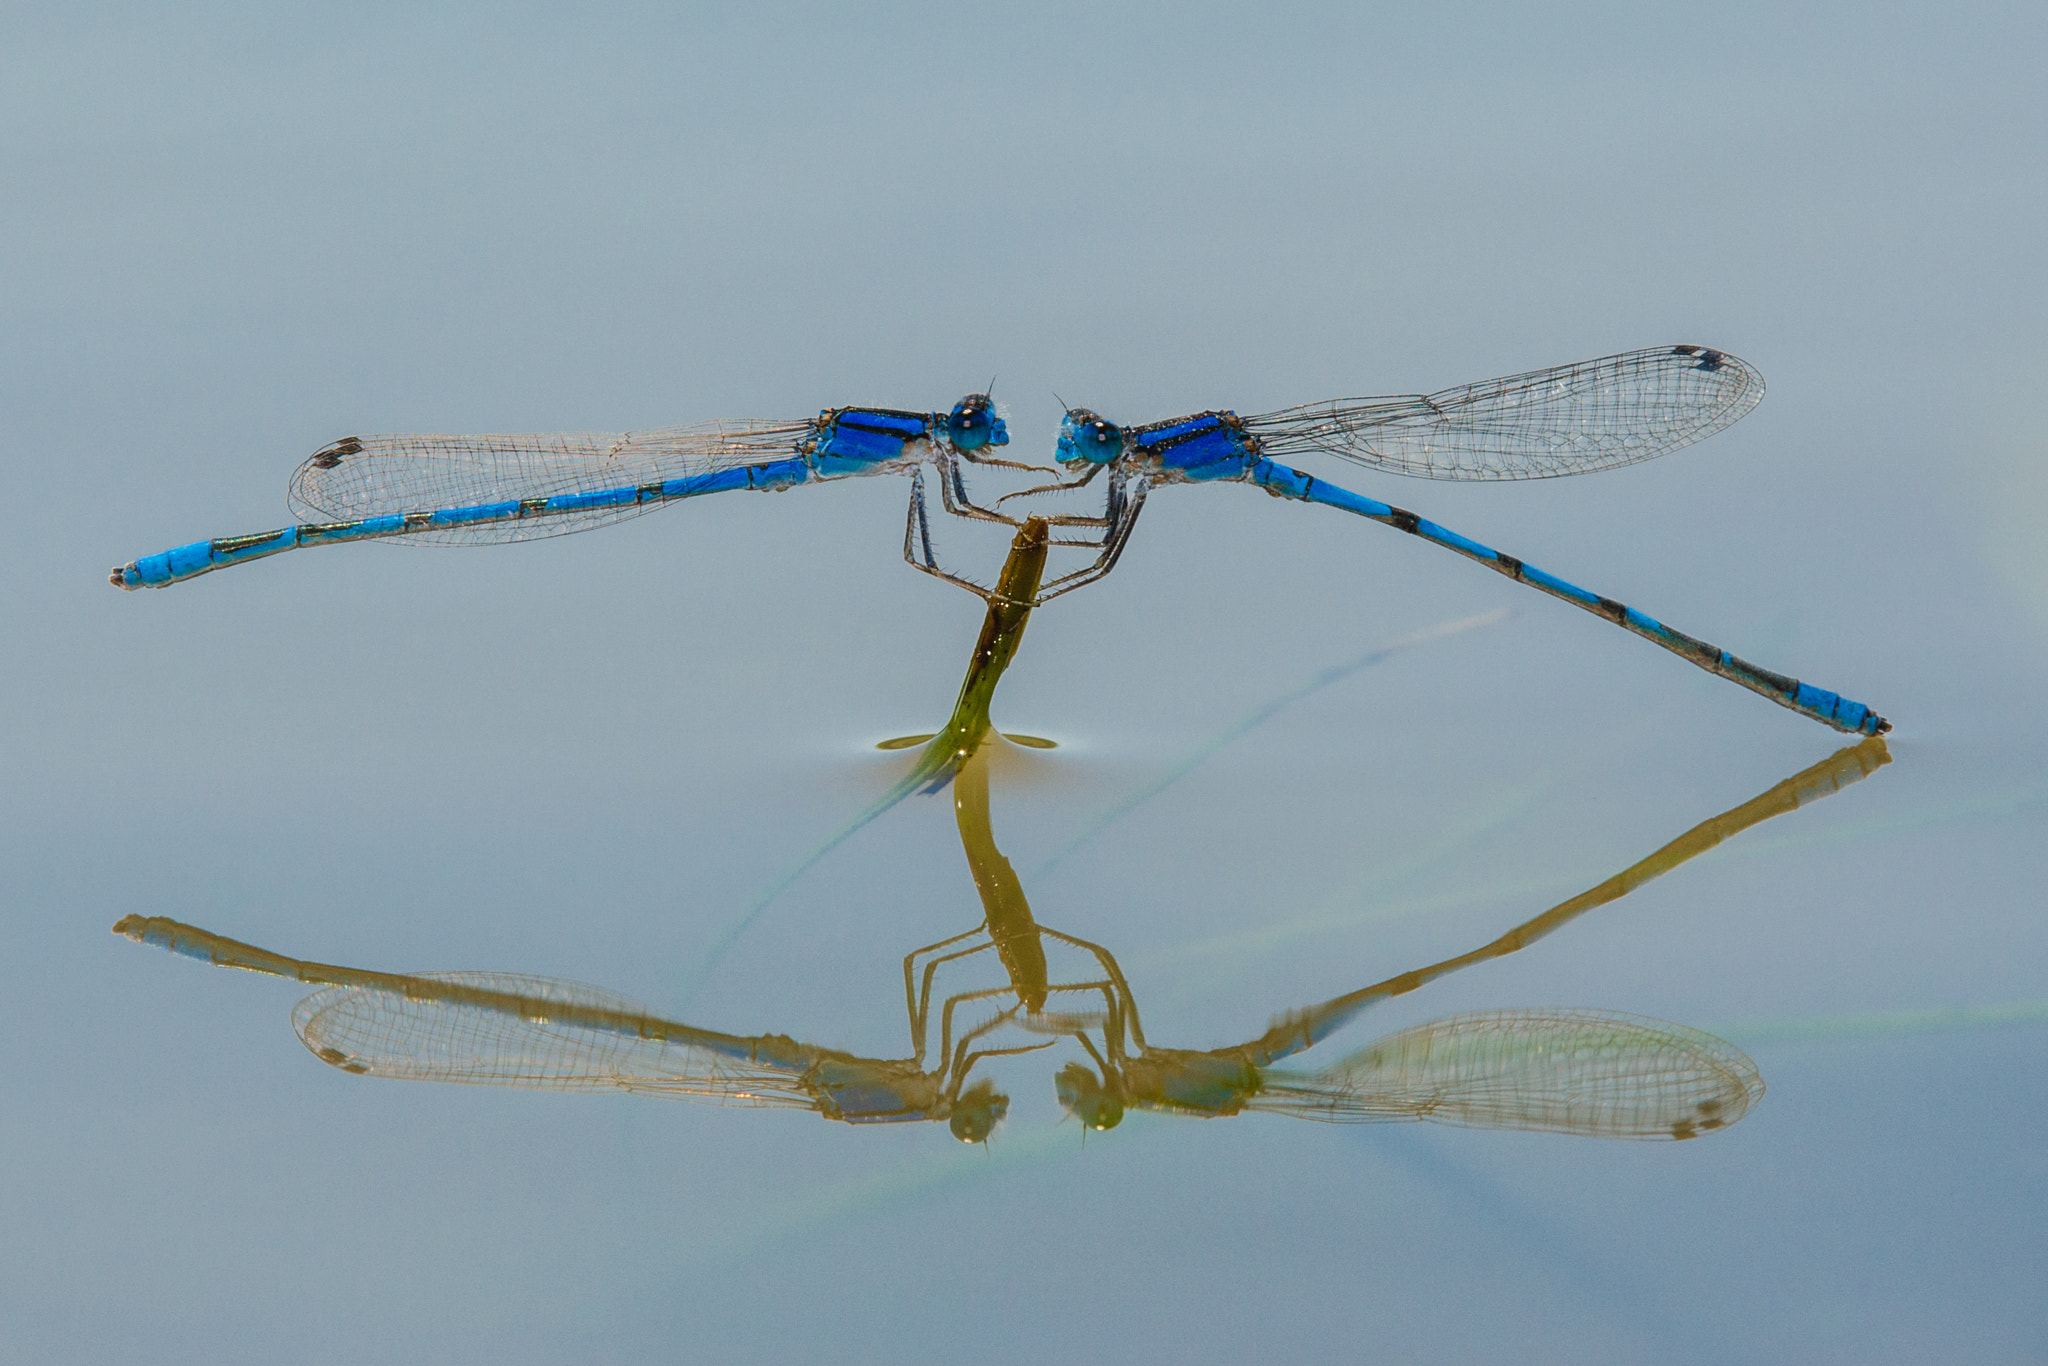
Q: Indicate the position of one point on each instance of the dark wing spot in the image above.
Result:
(330, 456)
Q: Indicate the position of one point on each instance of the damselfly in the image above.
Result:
(1570, 419)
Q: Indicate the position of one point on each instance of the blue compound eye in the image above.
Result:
(1104, 437)
(974, 424)
(1084, 436)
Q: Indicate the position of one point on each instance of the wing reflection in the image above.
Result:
(1593, 1072)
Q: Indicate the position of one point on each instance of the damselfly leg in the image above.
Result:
(1123, 499)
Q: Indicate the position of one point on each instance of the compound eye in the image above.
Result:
(971, 425)
(1104, 436)
(1084, 436)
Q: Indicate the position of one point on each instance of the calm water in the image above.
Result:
(246, 234)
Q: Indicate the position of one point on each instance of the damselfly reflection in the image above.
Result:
(1597, 1073)
(503, 1029)
(1589, 1072)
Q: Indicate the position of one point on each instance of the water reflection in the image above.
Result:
(1590, 1072)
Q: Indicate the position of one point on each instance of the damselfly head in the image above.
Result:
(973, 424)
(980, 1108)
(1097, 1106)
(1087, 439)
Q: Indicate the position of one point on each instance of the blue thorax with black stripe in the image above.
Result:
(857, 440)
(1184, 449)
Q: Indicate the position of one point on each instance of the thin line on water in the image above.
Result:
(1223, 739)
(1871, 1025)
(930, 765)
(1350, 910)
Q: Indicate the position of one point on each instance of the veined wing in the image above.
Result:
(502, 1029)
(1592, 1072)
(375, 476)
(1570, 419)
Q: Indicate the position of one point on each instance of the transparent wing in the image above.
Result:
(1591, 1072)
(376, 476)
(501, 1029)
(1571, 419)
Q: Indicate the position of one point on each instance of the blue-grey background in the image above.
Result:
(232, 234)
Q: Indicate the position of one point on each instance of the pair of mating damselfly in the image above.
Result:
(1570, 419)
